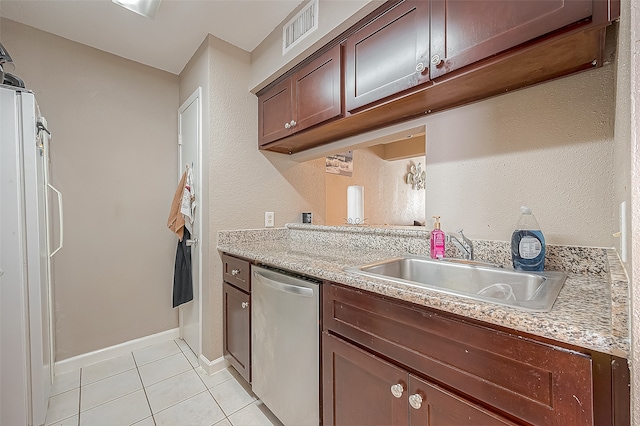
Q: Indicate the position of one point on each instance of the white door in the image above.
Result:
(189, 153)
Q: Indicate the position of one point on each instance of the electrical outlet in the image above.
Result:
(268, 219)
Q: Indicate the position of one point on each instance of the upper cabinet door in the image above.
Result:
(466, 31)
(388, 55)
(275, 113)
(317, 90)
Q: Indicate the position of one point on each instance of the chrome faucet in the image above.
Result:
(465, 246)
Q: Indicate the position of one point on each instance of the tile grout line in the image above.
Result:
(144, 388)
(138, 366)
(208, 389)
(79, 396)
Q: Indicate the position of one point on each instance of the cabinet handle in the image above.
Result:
(436, 60)
(287, 125)
(235, 272)
(420, 67)
(397, 390)
(293, 123)
(415, 400)
(245, 305)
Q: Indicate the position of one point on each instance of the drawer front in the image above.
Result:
(236, 272)
(532, 381)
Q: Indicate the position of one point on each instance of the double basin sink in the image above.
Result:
(529, 291)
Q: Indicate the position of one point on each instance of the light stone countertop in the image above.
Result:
(591, 310)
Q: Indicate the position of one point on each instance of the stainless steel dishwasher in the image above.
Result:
(285, 340)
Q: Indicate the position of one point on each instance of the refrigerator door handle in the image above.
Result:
(60, 210)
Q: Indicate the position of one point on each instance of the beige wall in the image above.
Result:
(113, 157)
(549, 147)
(244, 182)
(387, 198)
(267, 61)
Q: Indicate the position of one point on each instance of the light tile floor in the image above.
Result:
(157, 385)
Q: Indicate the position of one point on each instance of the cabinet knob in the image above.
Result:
(415, 400)
(397, 390)
(436, 60)
(420, 67)
(287, 125)
(235, 272)
(293, 123)
(245, 305)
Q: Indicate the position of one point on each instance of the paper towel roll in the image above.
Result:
(355, 204)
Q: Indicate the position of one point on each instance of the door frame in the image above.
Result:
(195, 96)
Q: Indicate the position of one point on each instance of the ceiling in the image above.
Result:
(166, 42)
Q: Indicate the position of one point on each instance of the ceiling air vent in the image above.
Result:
(300, 26)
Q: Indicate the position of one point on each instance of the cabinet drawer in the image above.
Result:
(237, 272)
(529, 380)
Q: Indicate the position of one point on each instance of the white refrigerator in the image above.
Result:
(26, 345)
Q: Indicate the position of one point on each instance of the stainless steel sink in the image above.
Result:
(530, 291)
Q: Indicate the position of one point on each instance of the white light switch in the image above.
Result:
(269, 219)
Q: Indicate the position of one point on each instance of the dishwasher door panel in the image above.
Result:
(286, 345)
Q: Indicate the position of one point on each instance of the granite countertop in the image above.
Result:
(591, 310)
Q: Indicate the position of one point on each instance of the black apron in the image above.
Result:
(182, 280)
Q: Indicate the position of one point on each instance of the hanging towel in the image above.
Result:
(182, 281)
(176, 220)
(188, 204)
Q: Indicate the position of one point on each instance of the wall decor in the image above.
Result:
(416, 177)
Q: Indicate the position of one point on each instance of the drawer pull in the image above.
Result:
(415, 400)
(245, 305)
(397, 390)
(235, 272)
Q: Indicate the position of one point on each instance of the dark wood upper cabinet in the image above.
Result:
(317, 90)
(309, 97)
(388, 55)
(466, 31)
(411, 58)
(274, 113)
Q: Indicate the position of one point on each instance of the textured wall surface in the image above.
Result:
(244, 182)
(630, 49)
(549, 147)
(387, 198)
(114, 158)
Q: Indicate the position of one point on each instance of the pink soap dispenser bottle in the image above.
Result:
(437, 240)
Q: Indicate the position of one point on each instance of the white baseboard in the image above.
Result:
(83, 360)
(212, 367)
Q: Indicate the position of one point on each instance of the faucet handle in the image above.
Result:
(459, 231)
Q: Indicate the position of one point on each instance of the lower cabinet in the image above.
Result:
(237, 323)
(362, 389)
(389, 362)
